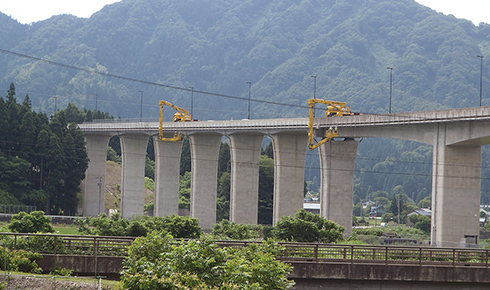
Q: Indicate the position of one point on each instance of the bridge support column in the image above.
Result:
(204, 184)
(167, 173)
(456, 182)
(289, 173)
(338, 162)
(133, 150)
(94, 183)
(244, 196)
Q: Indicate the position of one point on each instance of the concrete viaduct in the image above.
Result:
(456, 136)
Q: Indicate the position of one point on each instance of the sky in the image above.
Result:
(28, 11)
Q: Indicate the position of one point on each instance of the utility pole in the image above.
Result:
(101, 202)
(391, 84)
(398, 209)
(481, 76)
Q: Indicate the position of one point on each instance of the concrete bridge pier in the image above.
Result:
(167, 171)
(338, 162)
(94, 183)
(204, 165)
(244, 195)
(133, 151)
(289, 173)
(456, 182)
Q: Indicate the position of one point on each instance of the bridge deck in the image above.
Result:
(291, 124)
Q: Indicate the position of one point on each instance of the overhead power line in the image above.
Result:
(93, 71)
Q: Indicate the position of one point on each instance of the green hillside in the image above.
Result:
(217, 46)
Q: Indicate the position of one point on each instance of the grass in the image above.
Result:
(66, 229)
(61, 229)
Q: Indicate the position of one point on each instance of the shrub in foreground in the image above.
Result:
(159, 262)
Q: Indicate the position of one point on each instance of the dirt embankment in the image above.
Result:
(42, 283)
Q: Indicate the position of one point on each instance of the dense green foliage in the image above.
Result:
(19, 260)
(233, 231)
(307, 227)
(41, 162)
(159, 262)
(177, 226)
(34, 222)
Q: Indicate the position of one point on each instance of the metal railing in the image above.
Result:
(386, 254)
(294, 252)
(67, 244)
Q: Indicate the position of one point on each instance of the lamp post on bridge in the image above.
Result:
(314, 87)
(249, 94)
(192, 101)
(141, 106)
(481, 76)
(391, 84)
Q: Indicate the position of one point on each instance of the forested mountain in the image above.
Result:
(217, 46)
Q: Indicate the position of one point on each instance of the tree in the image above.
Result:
(425, 203)
(34, 222)
(266, 190)
(223, 198)
(307, 227)
(224, 159)
(185, 190)
(74, 171)
(423, 223)
(185, 157)
(159, 262)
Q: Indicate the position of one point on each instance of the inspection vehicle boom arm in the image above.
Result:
(182, 115)
(334, 109)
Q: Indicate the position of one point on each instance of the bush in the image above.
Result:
(158, 262)
(35, 222)
(378, 232)
(177, 226)
(61, 272)
(19, 260)
(231, 230)
(307, 227)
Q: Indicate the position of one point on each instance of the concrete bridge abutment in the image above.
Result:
(167, 174)
(289, 173)
(133, 151)
(244, 192)
(338, 162)
(204, 174)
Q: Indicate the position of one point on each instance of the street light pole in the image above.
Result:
(481, 76)
(141, 106)
(314, 87)
(249, 94)
(192, 101)
(391, 84)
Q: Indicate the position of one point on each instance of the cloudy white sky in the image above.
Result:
(28, 11)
